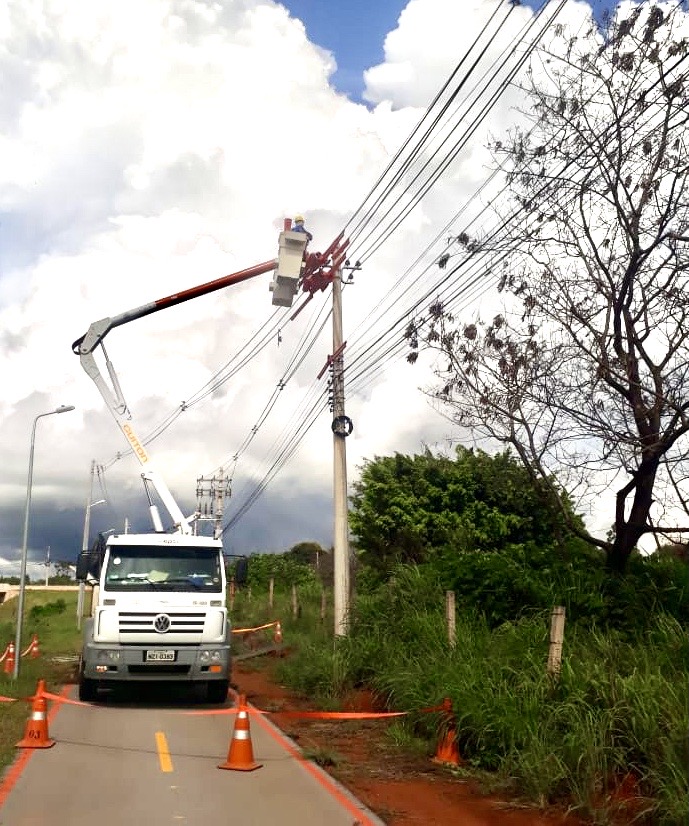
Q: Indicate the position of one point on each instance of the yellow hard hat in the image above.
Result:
(298, 219)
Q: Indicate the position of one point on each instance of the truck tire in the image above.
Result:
(216, 691)
(88, 689)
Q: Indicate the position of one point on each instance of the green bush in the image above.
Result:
(285, 569)
(50, 609)
(504, 585)
(7, 632)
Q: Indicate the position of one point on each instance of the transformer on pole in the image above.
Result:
(210, 500)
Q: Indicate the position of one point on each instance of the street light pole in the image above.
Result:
(22, 577)
(85, 541)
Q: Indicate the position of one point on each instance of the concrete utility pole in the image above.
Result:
(85, 540)
(341, 428)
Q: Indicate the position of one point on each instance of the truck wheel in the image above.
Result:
(88, 689)
(216, 692)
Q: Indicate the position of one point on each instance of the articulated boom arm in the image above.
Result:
(85, 346)
(292, 268)
(99, 329)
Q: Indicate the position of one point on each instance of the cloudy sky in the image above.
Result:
(146, 147)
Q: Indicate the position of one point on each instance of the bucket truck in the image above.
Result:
(161, 609)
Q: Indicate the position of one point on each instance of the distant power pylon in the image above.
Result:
(210, 500)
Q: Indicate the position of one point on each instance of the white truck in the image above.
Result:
(160, 615)
(161, 608)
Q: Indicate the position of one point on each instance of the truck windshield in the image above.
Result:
(132, 567)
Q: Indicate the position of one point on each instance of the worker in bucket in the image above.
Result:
(298, 226)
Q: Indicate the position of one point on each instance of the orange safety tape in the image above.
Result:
(211, 712)
(304, 715)
(312, 715)
(45, 694)
(60, 699)
(341, 715)
(430, 709)
(18, 699)
(258, 628)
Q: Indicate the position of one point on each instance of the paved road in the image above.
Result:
(152, 765)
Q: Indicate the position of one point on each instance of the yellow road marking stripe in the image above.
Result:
(163, 752)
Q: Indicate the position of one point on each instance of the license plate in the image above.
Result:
(160, 656)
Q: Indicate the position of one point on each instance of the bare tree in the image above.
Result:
(585, 372)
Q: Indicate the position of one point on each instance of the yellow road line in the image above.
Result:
(163, 752)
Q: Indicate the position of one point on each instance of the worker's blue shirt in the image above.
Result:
(302, 228)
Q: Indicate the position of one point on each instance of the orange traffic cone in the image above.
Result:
(277, 637)
(36, 731)
(240, 757)
(447, 752)
(34, 650)
(9, 658)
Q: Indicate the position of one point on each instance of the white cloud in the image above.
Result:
(149, 147)
(431, 39)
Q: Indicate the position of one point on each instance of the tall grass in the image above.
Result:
(610, 733)
(53, 618)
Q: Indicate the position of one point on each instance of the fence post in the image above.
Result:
(323, 604)
(271, 587)
(450, 616)
(557, 635)
(295, 604)
(233, 591)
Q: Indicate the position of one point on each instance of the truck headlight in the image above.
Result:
(108, 655)
(210, 656)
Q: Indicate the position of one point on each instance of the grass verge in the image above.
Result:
(51, 615)
(608, 740)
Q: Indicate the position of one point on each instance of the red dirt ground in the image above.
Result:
(401, 790)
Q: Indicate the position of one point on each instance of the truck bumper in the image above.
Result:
(112, 662)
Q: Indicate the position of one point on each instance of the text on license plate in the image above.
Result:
(158, 656)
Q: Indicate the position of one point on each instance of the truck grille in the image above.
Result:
(140, 622)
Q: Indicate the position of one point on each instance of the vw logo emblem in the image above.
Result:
(162, 623)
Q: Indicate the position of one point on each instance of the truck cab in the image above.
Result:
(160, 614)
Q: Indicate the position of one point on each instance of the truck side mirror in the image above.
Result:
(241, 571)
(88, 564)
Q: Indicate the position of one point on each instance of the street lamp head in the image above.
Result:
(64, 408)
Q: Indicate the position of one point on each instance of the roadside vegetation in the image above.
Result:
(608, 739)
(52, 616)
